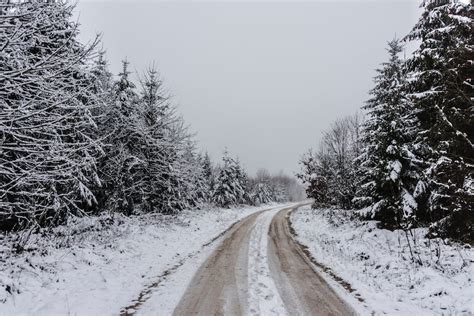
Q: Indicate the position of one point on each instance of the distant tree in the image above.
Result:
(279, 192)
(261, 193)
(197, 188)
(330, 173)
(244, 181)
(281, 187)
(208, 174)
(229, 187)
(314, 174)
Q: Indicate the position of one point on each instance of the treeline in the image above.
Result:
(410, 162)
(232, 186)
(76, 140)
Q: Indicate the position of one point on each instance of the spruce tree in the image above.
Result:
(388, 173)
(121, 162)
(208, 174)
(48, 157)
(442, 92)
(312, 175)
(153, 142)
(243, 180)
(262, 193)
(229, 189)
(101, 80)
(196, 190)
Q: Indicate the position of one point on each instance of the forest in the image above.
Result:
(111, 204)
(407, 159)
(77, 140)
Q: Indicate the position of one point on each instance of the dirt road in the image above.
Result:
(259, 269)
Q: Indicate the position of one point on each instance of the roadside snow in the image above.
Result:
(379, 265)
(263, 296)
(99, 265)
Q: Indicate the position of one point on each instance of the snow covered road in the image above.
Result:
(252, 274)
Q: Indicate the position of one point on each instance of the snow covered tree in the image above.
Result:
(229, 186)
(208, 173)
(340, 148)
(154, 166)
(164, 178)
(388, 174)
(197, 188)
(102, 83)
(47, 157)
(121, 162)
(330, 173)
(313, 174)
(243, 179)
(280, 187)
(261, 193)
(442, 91)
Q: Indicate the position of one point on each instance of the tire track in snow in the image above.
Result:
(263, 296)
(259, 270)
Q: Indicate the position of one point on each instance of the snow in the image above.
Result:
(107, 261)
(394, 167)
(409, 204)
(379, 267)
(263, 295)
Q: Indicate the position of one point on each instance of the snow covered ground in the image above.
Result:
(100, 265)
(378, 264)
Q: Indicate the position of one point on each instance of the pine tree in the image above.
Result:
(243, 180)
(388, 172)
(153, 142)
(208, 173)
(313, 176)
(229, 189)
(102, 93)
(193, 173)
(162, 176)
(279, 193)
(121, 162)
(102, 83)
(442, 92)
(47, 157)
(262, 193)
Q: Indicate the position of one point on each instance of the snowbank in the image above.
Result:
(388, 273)
(99, 265)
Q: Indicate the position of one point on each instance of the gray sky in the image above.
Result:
(262, 78)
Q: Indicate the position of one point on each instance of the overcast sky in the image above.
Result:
(262, 78)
